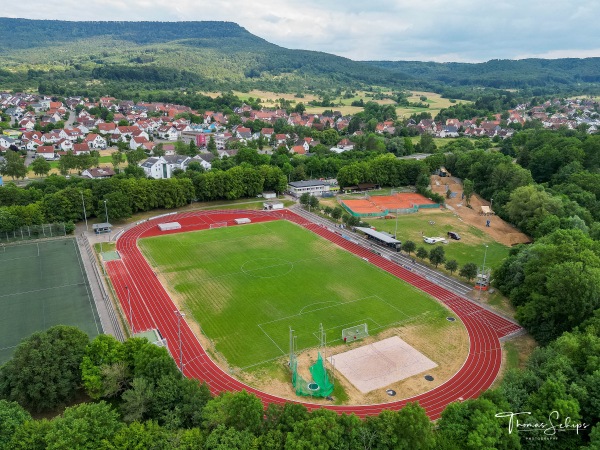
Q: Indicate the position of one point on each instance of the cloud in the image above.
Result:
(435, 30)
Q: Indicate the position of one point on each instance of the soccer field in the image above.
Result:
(43, 284)
(247, 285)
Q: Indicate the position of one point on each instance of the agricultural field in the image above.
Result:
(247, 285)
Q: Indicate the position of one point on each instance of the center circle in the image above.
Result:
(267, 267)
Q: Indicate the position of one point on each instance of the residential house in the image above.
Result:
(98, 173)
(65, 145)
(6, 141)
(167, 132)
(156, 167)
(448, 131)
(243, 133)
(177, 162)
(80, 149)
(205, 160)
(27, 124)
(136, 142)
(95, 141)
(46, 151)
(33, 144)
(107, 128)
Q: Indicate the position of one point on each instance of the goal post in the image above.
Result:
(354, 333)
(218, 225)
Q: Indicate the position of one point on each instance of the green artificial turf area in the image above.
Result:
(43, 284)
(247, 285)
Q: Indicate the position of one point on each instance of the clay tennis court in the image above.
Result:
(381, 204)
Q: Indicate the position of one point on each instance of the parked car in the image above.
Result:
(454, 235)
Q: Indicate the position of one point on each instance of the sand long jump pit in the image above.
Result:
(380, 364)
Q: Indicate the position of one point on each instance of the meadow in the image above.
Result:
(246, 286)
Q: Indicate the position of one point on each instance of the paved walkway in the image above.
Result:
(99, 289)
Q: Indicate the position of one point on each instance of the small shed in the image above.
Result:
(169, 226)
(269, 195)
(272, 206)
(100, 228)
(242, 220)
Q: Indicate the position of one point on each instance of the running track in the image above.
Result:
(153, 308)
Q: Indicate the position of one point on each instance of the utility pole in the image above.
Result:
(180, 315)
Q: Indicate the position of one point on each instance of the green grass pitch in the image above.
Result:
(43, 285)
(247, 285)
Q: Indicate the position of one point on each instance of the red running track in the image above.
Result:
(137, 285)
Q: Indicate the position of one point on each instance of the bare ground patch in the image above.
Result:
(499, 230)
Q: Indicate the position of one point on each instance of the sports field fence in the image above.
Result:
(32, 232)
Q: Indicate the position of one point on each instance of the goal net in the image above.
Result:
(218, 225)
(354, 333)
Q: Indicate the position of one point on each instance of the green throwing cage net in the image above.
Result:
(320, 386)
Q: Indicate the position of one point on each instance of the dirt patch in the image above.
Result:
(499, 230)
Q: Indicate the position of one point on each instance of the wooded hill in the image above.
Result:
(207, 55)
(136, 56)
(503, 73)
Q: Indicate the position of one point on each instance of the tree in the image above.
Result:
(14, 166)
(305, 199)
(116, 159)
(313, 202)
(137, 400)
(135, 156)
(240, 410)
(422, 253)
(468, 271)
(212, 146)
(12, 416)
(320, 431)
(40, 166)
(426, 144)
(437, 256)
(117, 205)
(468, 190)
(451, 265)
(409, 247)
(337, 213)
(83, 426)
(45, 372)
(99, 365)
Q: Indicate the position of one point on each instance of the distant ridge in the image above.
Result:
(212, 55)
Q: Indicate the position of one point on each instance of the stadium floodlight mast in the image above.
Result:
(179, 315)
(482, 271)
(130, 310)
(106, 211)
(84, 213)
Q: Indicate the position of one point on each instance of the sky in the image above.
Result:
(422, 30)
